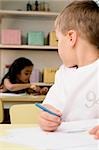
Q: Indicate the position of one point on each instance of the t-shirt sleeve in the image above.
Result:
(55, 94)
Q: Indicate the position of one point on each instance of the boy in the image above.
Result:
(74, 94)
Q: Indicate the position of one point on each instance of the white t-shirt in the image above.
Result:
(76, 92)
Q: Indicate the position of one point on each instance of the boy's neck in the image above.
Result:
(86, 54)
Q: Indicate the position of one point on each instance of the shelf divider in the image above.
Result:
(30, 47)
(12, 13)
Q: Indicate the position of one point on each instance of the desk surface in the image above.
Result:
(4, 129)
(10, 146)
(23, 98)
(11, 99)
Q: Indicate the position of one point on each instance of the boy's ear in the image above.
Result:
(72, 37)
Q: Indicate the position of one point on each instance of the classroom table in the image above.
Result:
(4, 130)
(10, 146)
(9, 99)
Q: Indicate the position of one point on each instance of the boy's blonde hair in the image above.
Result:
(82, 16)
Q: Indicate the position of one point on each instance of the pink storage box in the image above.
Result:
(10, 37)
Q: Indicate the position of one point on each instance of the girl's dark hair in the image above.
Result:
(15, 69)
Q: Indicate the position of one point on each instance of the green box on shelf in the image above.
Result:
(36, 38)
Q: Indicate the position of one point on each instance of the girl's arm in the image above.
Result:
(2, 89)
(15, 87)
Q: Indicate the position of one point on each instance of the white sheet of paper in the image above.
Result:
(58, 140)
(78, 126)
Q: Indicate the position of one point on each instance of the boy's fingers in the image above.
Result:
(48, 125)
(49, 122)
(94, 130)
(53, 109)
(49, 129)
(50, 117)
(97, 134)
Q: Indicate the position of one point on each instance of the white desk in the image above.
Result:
(37, 135)
(10, 99)
(10, 146)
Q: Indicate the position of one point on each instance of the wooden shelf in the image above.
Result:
(25, 47)
(12, 13)
(15, 13)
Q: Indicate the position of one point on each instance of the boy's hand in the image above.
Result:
(95, 132)
(49, 122)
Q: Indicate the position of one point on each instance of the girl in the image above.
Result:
(17, 79)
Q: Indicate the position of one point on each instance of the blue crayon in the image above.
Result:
(46, 109)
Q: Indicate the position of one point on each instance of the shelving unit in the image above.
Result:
(15, 19)
(25, 47)
(15, 13)
(12, 13)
